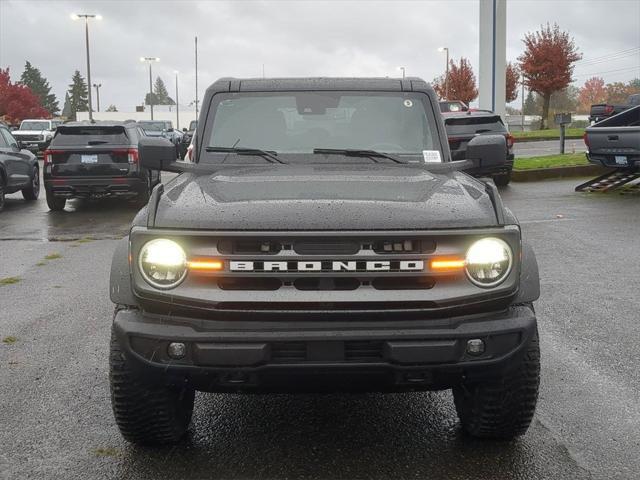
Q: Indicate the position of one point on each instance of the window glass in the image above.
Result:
(299, 122)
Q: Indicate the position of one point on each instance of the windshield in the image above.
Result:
(300, 122)
(154, 126)
(34, 126)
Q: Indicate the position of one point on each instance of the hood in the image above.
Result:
(324, 197)
(29, 132)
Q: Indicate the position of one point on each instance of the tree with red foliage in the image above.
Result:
(461, 82)
(547, 63)
(512, 78)
(18, 102)
(593, 91)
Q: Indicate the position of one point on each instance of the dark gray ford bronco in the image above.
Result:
(322, 239)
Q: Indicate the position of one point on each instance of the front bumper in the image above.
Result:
(76, 187)
(319, 356)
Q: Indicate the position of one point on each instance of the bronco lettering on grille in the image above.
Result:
(327, 266)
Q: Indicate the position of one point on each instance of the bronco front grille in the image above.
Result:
(272, 273)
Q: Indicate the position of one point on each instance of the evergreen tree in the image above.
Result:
(78, 95)
(66, 110)
(32, 78)
(530, 104)
(161, 94)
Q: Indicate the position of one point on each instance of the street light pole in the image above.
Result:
(522, 104)
(446, 75)
(177, 103)
(87, 16)
(97, 87)
(403, 72)
(150, 60)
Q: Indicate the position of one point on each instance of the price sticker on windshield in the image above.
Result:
(431, 156)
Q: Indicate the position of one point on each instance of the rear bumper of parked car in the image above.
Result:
(71, 187)
(232, 355)
(626, 161)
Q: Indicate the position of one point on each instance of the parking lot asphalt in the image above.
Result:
(56, 415)
(547, 147)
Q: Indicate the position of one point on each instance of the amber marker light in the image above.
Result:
(203, 265)
(447, 264)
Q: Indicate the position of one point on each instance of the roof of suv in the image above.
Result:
(319, 83)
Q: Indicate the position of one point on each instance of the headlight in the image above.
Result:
(163, 263)
(488, 262)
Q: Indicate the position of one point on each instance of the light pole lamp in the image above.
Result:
(87, 16)
(177, 104)
(150, 60)
(97, 87)
(446, 75)
(403, 71)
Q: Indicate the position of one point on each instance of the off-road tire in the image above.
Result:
(502, 179)
(502, 408)
(145, 193)
(146, 414)
(55, 203)
(33, 190)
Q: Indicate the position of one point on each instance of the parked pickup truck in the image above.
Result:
(323, 239)
(600, 111)
(615, 142)
(35, 135)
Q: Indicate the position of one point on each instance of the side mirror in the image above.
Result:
(487, 151)
(170, 129)
(21, 145)
(157, 154)
(184, 129)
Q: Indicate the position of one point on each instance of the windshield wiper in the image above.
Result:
(268, 155)
(353, 152)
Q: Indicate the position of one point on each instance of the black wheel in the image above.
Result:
(502, 408)
(33, 190)
(145, 193)
(145, 413)
(502, 179)
(55, 203)
(1, 193)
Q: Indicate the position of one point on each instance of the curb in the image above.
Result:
(536, 174)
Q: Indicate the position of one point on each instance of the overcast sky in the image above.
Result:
(291, 38)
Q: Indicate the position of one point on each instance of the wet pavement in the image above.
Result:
(548, 147)
(56, 416)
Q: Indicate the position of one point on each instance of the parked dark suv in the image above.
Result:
(462, 127)
(18, 168)
(95, 160)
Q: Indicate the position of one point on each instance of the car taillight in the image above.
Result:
(132, 155)
(585, 138)
(608, 109)
(48, 156)
(510, 140)
(190, 152)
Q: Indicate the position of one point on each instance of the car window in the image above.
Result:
(474, 124)
(35, 125)
(4, 136)
(299, 122)
(9, 139)
(88, 135)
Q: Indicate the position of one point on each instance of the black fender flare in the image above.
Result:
(120, 289)
(529, 290)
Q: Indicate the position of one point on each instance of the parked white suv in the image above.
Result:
(36, 134)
